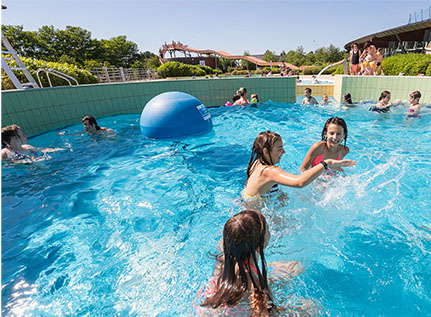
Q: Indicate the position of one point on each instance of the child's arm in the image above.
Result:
(276, 174)
(40, 149)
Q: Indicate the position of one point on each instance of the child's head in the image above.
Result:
(347, 98)
(415, 96)
(325, 97)
(335, 125)
(254, 98)
(245, 236)
(307, 92)
(242, 92)
(385, 95)
(354, 46)
(267, 148)
(12, 131)
(236, 97)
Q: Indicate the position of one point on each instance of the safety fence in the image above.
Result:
(120, 74)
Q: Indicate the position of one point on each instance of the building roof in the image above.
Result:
(414, 32)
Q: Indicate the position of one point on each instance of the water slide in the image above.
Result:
(185, 48)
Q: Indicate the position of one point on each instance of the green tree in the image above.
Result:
(269, 56)
(118, 51)
(246, 64)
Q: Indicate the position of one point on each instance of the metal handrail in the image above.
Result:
(54, 72)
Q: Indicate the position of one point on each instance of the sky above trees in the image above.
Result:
(232, 26)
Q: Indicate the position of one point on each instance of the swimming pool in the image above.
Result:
(122, 226)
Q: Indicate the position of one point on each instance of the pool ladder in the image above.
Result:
(20, 66)
(57, 73)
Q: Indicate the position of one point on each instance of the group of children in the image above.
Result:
(383, 105)
(240, 274)
(241, 270)
(15, 148)
(240, 98)
(367, 62)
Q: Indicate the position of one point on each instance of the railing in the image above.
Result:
(344, 62)
(54, 72)
(418, 16)
(112, 75)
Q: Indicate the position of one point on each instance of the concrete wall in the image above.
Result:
(44, 109)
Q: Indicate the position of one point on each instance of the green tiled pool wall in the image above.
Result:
(40, 110)
(370, 87)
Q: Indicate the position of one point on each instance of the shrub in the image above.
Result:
(177, 69)
(275, 70)
(206, 69)
(81, 75)
(314, 70)
(338, 71)
(409, 64)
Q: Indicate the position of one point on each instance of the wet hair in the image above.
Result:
(265, 140)
(348, 98)
(307, 90)
(384, 94)
(92, 121)
(337, 121)
(254, 96)
(7, 133)
(416, 94)
(366, 45)
(243, 236)
(236, 97)
(242, 91)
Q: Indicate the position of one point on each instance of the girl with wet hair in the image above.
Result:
(330, 147)
(15, 148)
(384, 103)
(263, 176)
(238, 271)
(242, 92)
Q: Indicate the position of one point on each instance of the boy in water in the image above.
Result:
(308, 99)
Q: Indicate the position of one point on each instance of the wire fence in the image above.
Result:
(120, 74)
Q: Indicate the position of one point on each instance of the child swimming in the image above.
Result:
(15, 148)
(308, 99)
(263, 176)
(325, 99)
(242, 92)
(330, 147)
(238, 275)
(414, 107)
(384, 103)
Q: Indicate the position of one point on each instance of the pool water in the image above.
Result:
(122, 226)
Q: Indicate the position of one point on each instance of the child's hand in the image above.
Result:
(339, 163)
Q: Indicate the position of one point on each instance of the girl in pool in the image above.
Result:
(384, 103)
(263, 176)
(238, 275)
(242, 92)
(415, 107)
(333, 133)
(15, 147)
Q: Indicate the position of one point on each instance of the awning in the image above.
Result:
(414, 32)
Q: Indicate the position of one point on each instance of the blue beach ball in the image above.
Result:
(174, 114)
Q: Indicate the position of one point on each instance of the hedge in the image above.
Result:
(177, 69)
(81, 75)
(409, 64)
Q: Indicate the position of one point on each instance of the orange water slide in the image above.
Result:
(185, 48)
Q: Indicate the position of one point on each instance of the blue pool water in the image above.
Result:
(122, 226)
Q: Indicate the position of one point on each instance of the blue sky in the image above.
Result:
(231, 26)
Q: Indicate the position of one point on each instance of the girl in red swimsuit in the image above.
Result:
(334, 132)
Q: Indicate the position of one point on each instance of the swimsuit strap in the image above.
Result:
(255, 270)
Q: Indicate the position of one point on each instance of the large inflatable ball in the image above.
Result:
(174, 114)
